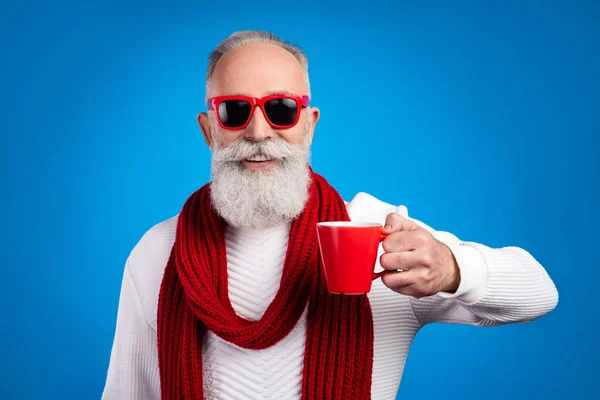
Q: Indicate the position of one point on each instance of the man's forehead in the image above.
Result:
(258, 70)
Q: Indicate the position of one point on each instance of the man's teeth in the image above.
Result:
(259, 157)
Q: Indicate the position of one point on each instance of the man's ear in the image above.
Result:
(313, 118)
(204, 124)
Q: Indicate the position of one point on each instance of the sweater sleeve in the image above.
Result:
(133, 368)
(498, 286)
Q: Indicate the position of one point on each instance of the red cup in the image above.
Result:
(349, 251)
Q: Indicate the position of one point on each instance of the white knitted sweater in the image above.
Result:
(497, 286)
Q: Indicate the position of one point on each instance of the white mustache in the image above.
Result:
(241, 149)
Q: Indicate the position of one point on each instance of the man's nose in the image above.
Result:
(258, 129)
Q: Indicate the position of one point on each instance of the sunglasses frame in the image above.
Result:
(301, 102)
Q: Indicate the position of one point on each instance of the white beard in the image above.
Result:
(260, 198)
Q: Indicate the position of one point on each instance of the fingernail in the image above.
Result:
(387, 228)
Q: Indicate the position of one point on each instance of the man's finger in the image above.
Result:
(402, 241)
(395, 222)
(396, 260)
(406, 283)
(399, 280)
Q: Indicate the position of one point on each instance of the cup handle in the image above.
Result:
(379, 274)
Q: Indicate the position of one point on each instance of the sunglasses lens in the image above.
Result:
(282, 112)
(234, 113)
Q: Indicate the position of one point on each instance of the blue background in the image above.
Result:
(493, 137)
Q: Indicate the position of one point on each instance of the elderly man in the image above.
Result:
(226, 300)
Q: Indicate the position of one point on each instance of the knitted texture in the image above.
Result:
(338, 357)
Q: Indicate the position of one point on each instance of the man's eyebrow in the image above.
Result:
(270, 92)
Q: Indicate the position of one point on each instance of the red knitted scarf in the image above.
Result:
(338, 356)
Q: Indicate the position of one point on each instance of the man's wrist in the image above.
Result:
(472, 271)
(453, 279)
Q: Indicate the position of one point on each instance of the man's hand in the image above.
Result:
(427, 265)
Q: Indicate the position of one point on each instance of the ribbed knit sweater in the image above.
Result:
(498, 286)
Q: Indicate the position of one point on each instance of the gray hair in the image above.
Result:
(240, 38)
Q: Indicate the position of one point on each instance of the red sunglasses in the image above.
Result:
(282, 111)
